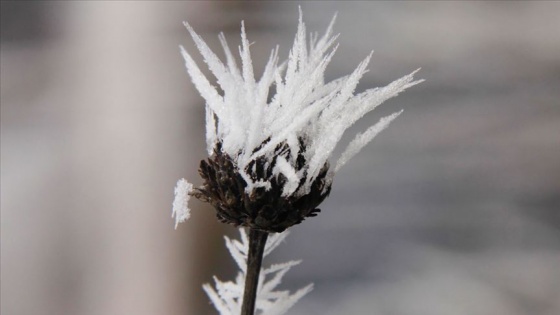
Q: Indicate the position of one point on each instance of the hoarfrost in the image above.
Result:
(364, 138)
(227, 297)
(249, 123)
(181, 210)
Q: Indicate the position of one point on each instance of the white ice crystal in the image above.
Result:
(227, 296)
(249, 123)
(181, 210)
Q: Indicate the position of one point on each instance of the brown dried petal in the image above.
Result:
(266, 210)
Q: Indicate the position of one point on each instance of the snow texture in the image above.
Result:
(227, 296)
(181, 210)
(249, 123)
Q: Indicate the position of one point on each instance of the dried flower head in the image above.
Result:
(268, 166)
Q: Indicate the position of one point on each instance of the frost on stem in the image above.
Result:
(227, 296)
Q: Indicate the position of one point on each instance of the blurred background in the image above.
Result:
(455, 209)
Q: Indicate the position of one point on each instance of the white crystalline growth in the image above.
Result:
(227, 297)
(249, 123)
(363, 138)
(181, 210)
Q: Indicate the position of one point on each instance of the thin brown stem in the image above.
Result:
(257, 241)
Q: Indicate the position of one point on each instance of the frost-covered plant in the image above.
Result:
(227, 296)
(269, 140)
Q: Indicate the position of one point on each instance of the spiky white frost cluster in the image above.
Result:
(227, 296)
(303, 106)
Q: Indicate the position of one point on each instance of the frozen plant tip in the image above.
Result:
(268, 165)
(181, 210)
(269, 140)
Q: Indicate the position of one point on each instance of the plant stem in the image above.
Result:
(257, 241)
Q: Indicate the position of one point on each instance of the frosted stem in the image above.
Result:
(257, 242)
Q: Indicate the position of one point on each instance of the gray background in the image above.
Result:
(455, 209)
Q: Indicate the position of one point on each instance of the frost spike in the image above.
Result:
(213, 62)
(206, 90)
(358, 143)
(232, 65)
(181, 210)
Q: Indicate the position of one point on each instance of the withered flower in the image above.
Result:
(265, 208)
(268, 166)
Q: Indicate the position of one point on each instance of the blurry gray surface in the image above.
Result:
(454, 209)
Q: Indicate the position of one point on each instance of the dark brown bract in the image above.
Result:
(262, 209)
